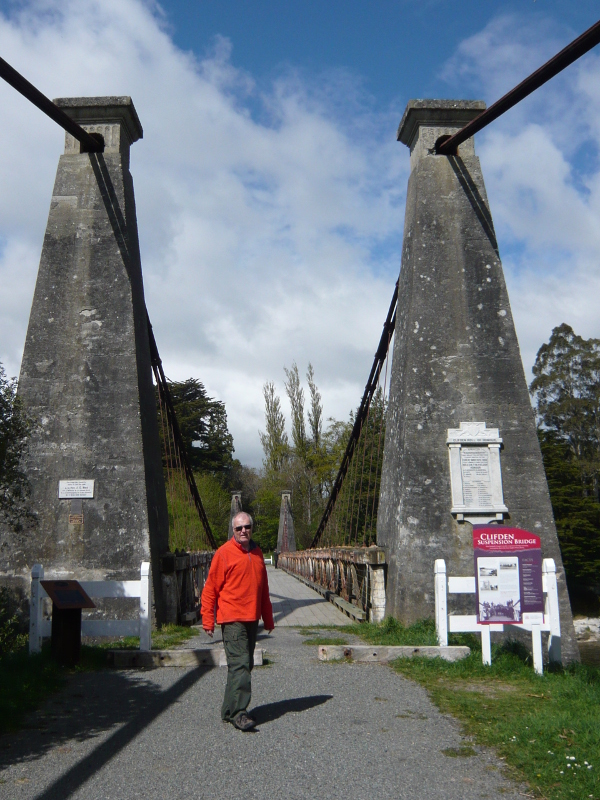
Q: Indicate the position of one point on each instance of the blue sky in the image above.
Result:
(396, 49)
(269, 185)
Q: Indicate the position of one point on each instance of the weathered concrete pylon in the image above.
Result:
(286, 539)
(86, 378)
(456, 363)
(236, 507)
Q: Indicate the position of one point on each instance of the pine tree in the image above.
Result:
(15, 427)
(566, 393)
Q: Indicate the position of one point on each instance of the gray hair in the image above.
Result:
(242, 514)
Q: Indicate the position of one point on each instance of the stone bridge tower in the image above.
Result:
(457, 373)
(86, 375)
(236, 507)
(286, 537)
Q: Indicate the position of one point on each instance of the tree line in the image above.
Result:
(566, 396)
(565, 393)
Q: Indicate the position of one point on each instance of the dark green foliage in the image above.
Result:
(354, 520)
(26, 681)
(577, 514)
(217, 503)
(393, 633)
(203, 425)
(266, 513)
(14, 430)
(566, 392)
(12, 638)
(566, 389)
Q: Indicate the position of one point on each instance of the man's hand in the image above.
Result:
(209, 631)
(270, 630)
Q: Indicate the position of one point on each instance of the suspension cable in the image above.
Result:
(577, 48)
(163, 385)
(28, 90)
(380, 356)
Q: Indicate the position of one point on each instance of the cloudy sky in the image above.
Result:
(269, 184)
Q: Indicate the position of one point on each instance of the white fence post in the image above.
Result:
(456, 624)
(552, 610)
(486, 645)
(145, 642)
(536, 646)
(35, 610)
(441, 602)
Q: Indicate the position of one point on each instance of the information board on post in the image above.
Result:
(508, 575)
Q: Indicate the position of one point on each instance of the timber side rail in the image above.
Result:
(353, 578)
(183, 577)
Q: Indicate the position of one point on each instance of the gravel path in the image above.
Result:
(325, 730)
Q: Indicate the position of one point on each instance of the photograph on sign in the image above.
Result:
(499, 593)
(508, 575)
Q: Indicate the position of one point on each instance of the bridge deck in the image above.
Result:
(325, 730)
(295, 604)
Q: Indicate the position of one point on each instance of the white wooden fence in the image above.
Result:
(454, 623)
(39, 627)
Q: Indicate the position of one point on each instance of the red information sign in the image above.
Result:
(508, 575)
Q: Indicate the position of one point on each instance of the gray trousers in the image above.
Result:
(239, 640)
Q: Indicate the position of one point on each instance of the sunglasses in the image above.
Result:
(242, 527)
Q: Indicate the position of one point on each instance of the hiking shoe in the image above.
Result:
(243, 722)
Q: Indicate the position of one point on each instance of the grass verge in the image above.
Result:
(319, 640)
(26, 681)
(389, 632)
(546, 728)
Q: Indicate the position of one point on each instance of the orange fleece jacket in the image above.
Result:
(238, 586)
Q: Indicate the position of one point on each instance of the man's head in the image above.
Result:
(242, 528)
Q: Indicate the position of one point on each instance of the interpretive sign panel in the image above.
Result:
(75, 490)
(67, 594)
(508, 575)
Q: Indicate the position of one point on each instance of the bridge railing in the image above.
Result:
(351, 577)
(183, 578)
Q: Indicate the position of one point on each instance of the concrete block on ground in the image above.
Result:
(383, 654)
(206, 657)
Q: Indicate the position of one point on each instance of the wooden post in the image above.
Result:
(536, 646)
(66, 635)
(145, 638)
(486, 645)
(441, 602)
(552, 610)
(35, 610)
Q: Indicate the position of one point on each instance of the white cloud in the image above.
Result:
(271, 216)
(265, 237)
(540, 163)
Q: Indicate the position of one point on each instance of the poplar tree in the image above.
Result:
(274, 440)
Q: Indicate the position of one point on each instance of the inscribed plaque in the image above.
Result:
(477, 482)
(75, 489)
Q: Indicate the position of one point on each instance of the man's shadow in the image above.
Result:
(272, 711)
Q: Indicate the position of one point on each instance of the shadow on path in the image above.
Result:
(284, 606)
(273, 711)
(90, 705)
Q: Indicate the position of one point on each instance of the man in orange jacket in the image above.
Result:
(237, 586)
